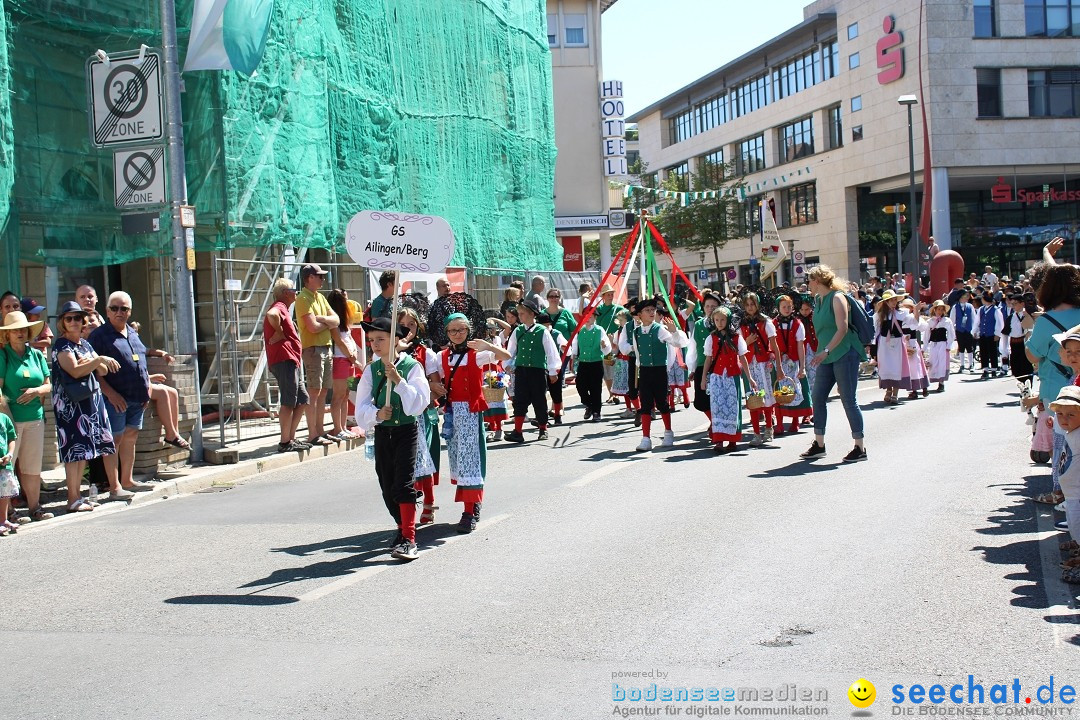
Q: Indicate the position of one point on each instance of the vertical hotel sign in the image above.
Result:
(613, 128)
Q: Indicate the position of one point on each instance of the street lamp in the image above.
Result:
(911, 100)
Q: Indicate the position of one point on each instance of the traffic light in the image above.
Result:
(891, 209)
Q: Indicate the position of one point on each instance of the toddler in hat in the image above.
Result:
(1066, 409)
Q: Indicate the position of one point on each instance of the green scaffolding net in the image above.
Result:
(409, 105)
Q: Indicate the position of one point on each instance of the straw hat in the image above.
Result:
(604, 289)
(1068, 397)
(937, 304)
(890, 295)
(16, 320)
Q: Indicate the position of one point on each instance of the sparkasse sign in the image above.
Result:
(1002, 193)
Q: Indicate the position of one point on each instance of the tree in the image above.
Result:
(708, 221)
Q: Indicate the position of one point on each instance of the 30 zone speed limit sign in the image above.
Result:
(125, 99)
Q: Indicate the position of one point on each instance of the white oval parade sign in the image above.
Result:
(399, 241)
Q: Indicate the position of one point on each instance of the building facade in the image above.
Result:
(812, 119)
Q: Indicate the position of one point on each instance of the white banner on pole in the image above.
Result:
(399, 241)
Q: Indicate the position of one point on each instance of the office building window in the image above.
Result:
(750, 96)
(711, 167)
(856, 133)
(856, 103)
(553, 30)
(799, 204)
(751, 157)
(853, 61)
(1054, 93)
(836, 128)
(749, 221)
(797, 139)
(852, 31)
(1052, 18)
(681, 169)
(988, 83)
(575, 30)
(711, 113)
(830, 60)
(985, 22)
(681, 127)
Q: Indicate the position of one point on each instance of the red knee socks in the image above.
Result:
(755, 420)
(667, 420)
(429, 491)
(518, 423)
(557, 409)
(646, 424)
(629, 402)
(408, 521)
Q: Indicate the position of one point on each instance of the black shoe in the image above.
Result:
(588, 414)
(1062, 525)
(513, 436)
(637, 419)
(926, 392)
(467, 523)
(557, 420)
(814, 451)
(543, 435)
(405, 550)
(857, 454)
(476, 510)
(596, 417)
(285, 447)
(398, 539)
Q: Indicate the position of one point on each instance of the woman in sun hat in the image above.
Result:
(942, 336)
(894, 372)
(24, 374)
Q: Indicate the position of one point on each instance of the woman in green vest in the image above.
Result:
(838, 358)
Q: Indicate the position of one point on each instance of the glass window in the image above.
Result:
(711, 113)
(575, 30)
(681, 171)
(830, 55)
(681, 127)
(751, 157)
(711, 167)
(1052, 18)
(856, 133)
(985, 25)
(799, 204)
(797, 139)
(856, 103)
(836, 128)
(853, 61)
(1054, 93)
(988, 82)
(553, 30)
(852, 31)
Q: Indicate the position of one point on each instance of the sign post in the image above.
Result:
(399, 241)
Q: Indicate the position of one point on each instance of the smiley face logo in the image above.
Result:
(862, 693)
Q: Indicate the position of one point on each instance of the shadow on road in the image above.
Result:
(796, 469)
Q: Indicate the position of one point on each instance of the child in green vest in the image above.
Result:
(650, 342)
(395, 430)
(536, 364)
(590, 346)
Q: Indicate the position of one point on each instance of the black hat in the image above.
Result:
(710, 295)
(543, 318)
(383, 325)
(72, 308)
(530, 303)
(632, 306)
(645, 302)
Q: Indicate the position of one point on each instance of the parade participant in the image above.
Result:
(649, 341)
(606, 312)
(496, 412)
(724, 363)
(838, 359)
(916, 362)
(1018, 325)
(988, 329)
(760, 335)
(461, 370)
(622, 373)
(392, 427)
(894, 372)
(942, 336)
(678, 377)
(806, 316)
(590, 346)
(700, 330)
(508, 327)
(555, 389)
(791, 342)
(963, 319)
(536, 365)
(428, 445)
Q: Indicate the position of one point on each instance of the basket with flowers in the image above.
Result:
(494, 387)
(755, 400)
(784, 394)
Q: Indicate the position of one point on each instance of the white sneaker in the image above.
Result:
(768, 435)
(645, 445)
(1060, 507)
(628, 413)
(756, 441)
(669, 439)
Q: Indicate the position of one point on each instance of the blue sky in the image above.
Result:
(657, 46)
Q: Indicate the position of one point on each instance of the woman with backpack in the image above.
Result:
(840, 351)
(1059, 296)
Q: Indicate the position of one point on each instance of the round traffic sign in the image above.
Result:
(139, 171)
(125, 96)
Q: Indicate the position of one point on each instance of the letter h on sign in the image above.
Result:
(890, 56)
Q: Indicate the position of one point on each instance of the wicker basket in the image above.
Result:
(754, 402)
(609, 361)
(785, 399)
(494, 394)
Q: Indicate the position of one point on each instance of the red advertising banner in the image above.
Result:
(573, 254)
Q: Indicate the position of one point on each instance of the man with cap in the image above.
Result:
(33, 310)
(315, 320)
(536, 365)
(606, 311)
(391, 426)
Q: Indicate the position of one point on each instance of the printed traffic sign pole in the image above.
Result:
(399, 241)
(139, 177)
(125, 99)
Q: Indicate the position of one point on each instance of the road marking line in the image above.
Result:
(368, 572)
(619, 465)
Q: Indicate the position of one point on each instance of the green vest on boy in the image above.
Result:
(530, 347)
(378, 390)
(651, 351)
(588, 343)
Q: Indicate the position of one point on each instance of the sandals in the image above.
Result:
(10, 526)
(80, 505)
(1050, 498)
(37, 515)
(427, 517)
(1072, 575)
(178, 442)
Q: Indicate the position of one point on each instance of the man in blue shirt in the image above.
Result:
(126, 391)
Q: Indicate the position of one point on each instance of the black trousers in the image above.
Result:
(590, 384)
(395, 460)
(530, 389)
(965, 342)
(653, 389)
(988, 352)
(701, 398)
(1022, 368)
(632, 381)
(556, 388)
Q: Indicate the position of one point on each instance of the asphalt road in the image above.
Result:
(277, 599)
